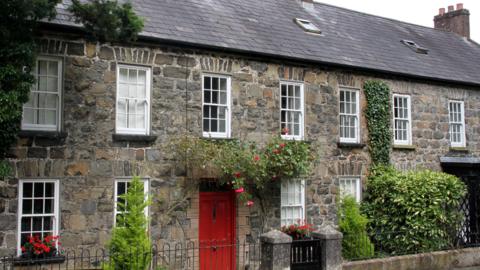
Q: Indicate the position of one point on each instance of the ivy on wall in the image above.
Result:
(378, 115)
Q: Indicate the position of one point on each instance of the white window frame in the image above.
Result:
(146, 190)
(463, 141)
(283, 220)
(148, 76)
(228, 107)
(357, 190)
(357, 114)
(56, 207)
(43, 127)
(302, 110)
(408, 141)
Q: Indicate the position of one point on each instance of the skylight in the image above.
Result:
(415, 47)
(307, 26)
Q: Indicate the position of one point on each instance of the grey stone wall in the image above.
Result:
(88, 159)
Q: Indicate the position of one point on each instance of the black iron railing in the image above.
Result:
(185, 256)
(305, 254)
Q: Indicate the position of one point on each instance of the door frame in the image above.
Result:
(233, 211)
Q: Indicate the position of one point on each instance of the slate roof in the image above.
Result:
(349, 38)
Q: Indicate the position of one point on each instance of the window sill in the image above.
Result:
(350, 145)
(19, 261)
(404, 147)
(458, 149)
(42, 134)
(134, 138)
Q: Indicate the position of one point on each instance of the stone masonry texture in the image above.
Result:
(88, 159)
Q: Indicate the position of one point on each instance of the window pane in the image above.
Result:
(215, 97)
(213, 126)
(206, 125)
(122, 90)
(53, 68)
(26, 224)
(37, 224)
(52, 84)
(38, 206)
(49, 206)
(215, 83)
(221, 125)
(42, 67)
(48, 223)
(207, 82)
(132, 76)
(223, 98)
(42, 84)
(27, 190)
(206, 97)
(123, 75)
(223, 84)
(142, 77)
(38, 190)
(27, 206)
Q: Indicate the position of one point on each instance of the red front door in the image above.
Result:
(217, 231)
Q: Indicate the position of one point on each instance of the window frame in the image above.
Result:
(302, 109)
(358, 186)
(357, 114)
(302, 205)
(148, 84)
(463, 142)
(59, 93)
(228, 113)
(146, 191)
(56, 208)
(409, 119)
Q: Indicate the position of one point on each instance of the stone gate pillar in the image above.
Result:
(331, 247)
(276, 248)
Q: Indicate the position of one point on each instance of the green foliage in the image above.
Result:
(130, 246)
(106, 20)
(241, 163)
(415, 211)
(378, 115)
(356, 243)
(19, 20)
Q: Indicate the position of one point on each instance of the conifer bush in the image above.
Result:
(130, 246)
(356, 243)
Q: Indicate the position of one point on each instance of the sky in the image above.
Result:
(413, 11)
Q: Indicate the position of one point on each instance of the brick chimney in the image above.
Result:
(455, 20)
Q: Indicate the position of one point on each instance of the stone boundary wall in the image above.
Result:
(441, 260)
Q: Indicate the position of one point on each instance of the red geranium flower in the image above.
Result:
(237, 175)
(239, 190)
(249, 203)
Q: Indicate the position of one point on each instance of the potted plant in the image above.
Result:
(301, 231)
(39, 250)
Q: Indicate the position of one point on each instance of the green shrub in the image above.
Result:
(356, 243)
(130, 247)
(415, 211)
(106, 20)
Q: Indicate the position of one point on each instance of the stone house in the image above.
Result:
(102, 112)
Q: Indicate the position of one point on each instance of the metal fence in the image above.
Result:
(362, 246)
(305, 254)
(185, 256)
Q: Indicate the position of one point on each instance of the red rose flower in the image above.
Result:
(237, 175)
(256, 158)
(249, 203)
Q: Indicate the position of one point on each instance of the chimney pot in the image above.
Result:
(454, 21)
